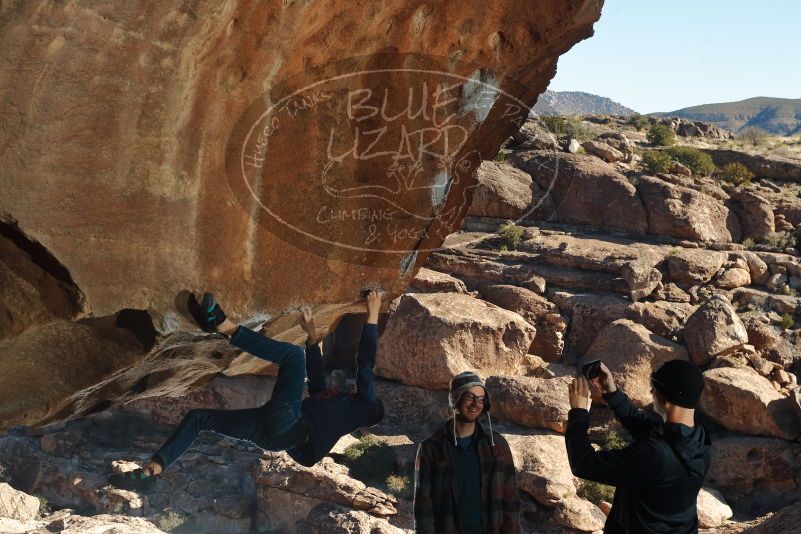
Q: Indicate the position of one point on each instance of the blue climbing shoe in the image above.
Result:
(207, 314)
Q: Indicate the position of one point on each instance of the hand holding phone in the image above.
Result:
(591, 369)
(599, 374)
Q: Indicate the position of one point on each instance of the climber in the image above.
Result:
(657, 477)
(306, 429)
(465, 478)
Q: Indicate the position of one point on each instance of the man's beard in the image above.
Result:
(466, 418)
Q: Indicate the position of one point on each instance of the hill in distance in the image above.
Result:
(781, 116)
(577, 103)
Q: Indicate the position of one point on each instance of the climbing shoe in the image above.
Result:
(136, 480)
(207, 313)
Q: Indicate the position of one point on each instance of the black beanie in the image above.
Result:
(680, 382)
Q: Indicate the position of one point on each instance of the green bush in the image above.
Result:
(614, 440)
(170, 521)
(370, 460)
(698, 162)
(736, 174)
(753, 136)
(510, 235)
(569, 127)
(786, 322)
(780, 240)
(661, 135)
(399, 486)
(555, 124)
(44, 506)
(638, 121)
(656, 161)
(500, 156)
(595, 492)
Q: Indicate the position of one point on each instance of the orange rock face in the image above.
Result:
(276, 153)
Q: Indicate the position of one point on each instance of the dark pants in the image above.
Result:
(275, 426)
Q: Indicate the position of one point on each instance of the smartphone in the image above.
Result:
(591, 369)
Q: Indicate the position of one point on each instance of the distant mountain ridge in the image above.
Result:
(577, 103)
(774, 115)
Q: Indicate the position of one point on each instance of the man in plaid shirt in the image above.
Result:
(465, 478)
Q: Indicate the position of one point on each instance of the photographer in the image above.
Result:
(658, 476)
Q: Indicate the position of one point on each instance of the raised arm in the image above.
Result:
(639, 423)
(629, 466)
(314, 358)
(365, 361)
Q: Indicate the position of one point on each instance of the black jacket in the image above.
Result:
(657, 477)
(330, 414)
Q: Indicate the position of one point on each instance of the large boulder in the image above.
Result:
(661, 317)
(579, 514)
(772, 167)
(46, 364)
(785, 520)
(140, 167)
(429, 281)
(537, 310)
(690, 128)
(288, 492)
(543, 470)
(530, 402)
(211, 489)
(432, 337)
(533, 134)
(604, 151)
(329, 518)
(585, 191)
(589, 314)
(694, 266)
(685, 213)
(619, 141)
(17, 504)
(712, 508)
(37, 288)
(741, 399)
(67, 521)
(642, 276)
(502, 191)
(757, 268)
(762, 336)
(136, 220)
(755, 214)
(714, 329)
(734, 278)
(768, 469)
(632, 353)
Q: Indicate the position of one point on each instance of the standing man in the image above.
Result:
(657, 477)
(306, 429)
(465, 479)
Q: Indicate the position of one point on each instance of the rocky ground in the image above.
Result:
(601, 260)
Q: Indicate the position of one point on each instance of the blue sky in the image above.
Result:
(657, 55)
